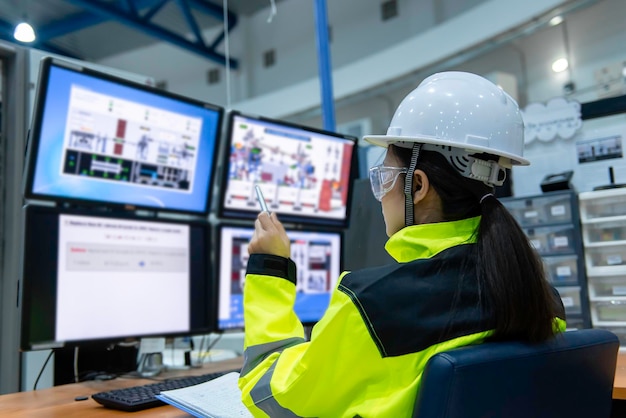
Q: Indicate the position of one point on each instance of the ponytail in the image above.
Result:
(513, 277)
(510, 272)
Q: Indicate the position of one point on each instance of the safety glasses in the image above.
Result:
(383, 179)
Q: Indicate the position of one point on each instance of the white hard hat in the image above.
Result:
(459, 110)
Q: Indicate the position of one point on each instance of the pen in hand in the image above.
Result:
(261, 199)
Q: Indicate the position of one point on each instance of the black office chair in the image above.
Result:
(570, 376)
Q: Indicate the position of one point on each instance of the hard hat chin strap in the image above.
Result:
(408, 186)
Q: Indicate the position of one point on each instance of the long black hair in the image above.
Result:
(510, 271)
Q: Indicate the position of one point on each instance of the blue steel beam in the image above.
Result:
(121, 16)
(191, 22)
(132, 8)
(324, 65)
(154, 10)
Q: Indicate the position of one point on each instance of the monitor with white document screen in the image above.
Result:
(100, 140)
(317, 255)
(91, 277)
(305, 174)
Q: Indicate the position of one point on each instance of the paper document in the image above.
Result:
(217, 398)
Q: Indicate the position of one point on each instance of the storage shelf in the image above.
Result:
(603, 220)
(604, 244)
(607, 299)
(613, 272)
(609, 323)
(590, 221)
(606, 270)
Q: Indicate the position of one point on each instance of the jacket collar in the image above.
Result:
(426, 240)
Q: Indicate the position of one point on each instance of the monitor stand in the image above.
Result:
(150, 364)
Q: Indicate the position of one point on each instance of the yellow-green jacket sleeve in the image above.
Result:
(339, 373)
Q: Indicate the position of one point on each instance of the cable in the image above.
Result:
(227, 52)
(272, 12)
(211, 345)
(42, 369)
(76, 364)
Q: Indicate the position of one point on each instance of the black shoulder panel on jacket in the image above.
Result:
(411, 306)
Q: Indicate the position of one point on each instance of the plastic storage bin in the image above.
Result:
(541, 210)
(561, 269)
(605, 232)
(605, 259)
(552, 239)
(571, 299)
(602, 204)
(607, 286)
(610, 311)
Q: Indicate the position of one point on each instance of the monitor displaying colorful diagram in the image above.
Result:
(318, 260)
(305, 174)
(99, 139)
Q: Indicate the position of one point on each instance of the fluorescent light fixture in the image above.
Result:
(556, 20)
(560, 65)
(24, 33)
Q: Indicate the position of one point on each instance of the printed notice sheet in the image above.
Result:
(217, 398)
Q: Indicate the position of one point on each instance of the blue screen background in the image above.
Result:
(48, 181)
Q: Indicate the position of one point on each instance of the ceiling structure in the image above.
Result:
(94, 29)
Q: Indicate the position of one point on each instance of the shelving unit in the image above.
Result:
(603, 218)
(552, 223)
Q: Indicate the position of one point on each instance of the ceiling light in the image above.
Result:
(560, 65)
(24, 32)
(556, 20)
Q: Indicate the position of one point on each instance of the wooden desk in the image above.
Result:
(619, 386)
(60, 401)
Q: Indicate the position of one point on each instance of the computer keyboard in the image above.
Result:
(141, 397)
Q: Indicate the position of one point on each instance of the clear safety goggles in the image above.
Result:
(384, 178)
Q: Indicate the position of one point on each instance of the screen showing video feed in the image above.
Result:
(318, 260)
(100, 139)
(92, 278)
(305, 174)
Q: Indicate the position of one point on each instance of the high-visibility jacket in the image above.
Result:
(366, 356)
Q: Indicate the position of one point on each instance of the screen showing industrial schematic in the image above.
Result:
(93, 277)
(305, 174)
(97, 138)
(318, 260)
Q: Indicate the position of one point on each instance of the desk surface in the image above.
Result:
(60, 401)
(619, 386)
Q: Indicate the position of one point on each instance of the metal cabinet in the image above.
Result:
(552, 223)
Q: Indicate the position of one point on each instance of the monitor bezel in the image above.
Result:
(218, 265)
(308, 221)
(34, 138)
(25, 298)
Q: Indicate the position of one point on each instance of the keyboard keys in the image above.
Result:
(141, 397)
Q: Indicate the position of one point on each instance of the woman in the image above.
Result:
(465, 271)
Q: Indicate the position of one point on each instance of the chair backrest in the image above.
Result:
(569, 376)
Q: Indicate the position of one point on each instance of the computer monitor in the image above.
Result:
(102, 140)
(317, 255)
(305, 174)
(91, 277)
